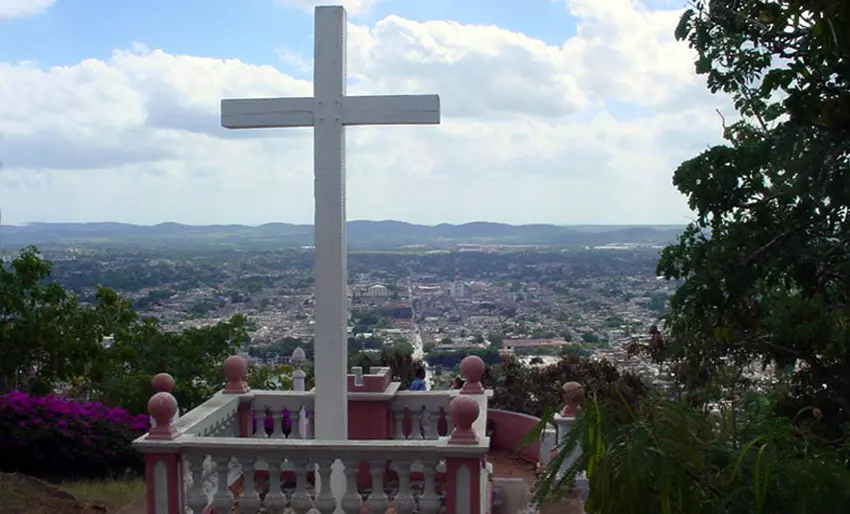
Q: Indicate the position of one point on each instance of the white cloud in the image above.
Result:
(354, 7)
(20, 8)
(588, 131)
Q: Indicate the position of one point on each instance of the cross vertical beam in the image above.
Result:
(328, 112)
(331, 268)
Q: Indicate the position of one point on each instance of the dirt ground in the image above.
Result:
(20, 494)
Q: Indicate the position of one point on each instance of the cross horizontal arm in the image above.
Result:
(391, 110)
(253, 113)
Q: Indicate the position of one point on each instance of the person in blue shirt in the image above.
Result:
(418, 383)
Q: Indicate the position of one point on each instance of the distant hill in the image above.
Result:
(361, 235)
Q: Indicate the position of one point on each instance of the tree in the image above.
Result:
(765, 265)
(142, 349)
(764, 276)
(50, 339)
(535, 391)
(589, 337)
(496, 339)
(46, 335)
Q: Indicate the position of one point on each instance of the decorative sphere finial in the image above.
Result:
(162, 383)
(235, 370)
(298, 357)
(162, 407)
(464, 411)
(573, 393)
(472, 368)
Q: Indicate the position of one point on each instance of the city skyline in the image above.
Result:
(568, 112)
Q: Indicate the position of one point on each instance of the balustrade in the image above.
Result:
(247, 451)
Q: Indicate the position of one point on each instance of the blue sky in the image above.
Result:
(250, 30)
(559, 111)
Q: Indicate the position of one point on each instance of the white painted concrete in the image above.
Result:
(328, 112)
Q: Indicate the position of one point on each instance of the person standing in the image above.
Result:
(458, 383)
(418, 383)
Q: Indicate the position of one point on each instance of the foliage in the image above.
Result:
(51, 339)
(450, 359)
(537, 390)
(46, 335)
(765, 267)
(669, 458)
(397, 356)
(142, 349)
(56, 437)
(764, 286)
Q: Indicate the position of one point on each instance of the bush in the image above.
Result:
(55, 437)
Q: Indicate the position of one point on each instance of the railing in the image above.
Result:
(251, 450)
(564, 422)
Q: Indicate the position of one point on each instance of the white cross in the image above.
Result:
(328, 112)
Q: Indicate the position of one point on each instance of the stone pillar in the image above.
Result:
(299, 384)
(163, 471)
(464, 491)
(163, 383)
(299, 377)
(573, 396)
(472, 368)
(235, 370)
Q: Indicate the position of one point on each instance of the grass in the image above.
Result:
(22, 494)
(113, 494)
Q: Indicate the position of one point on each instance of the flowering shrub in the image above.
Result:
(56, 437)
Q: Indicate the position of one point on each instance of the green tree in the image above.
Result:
(764, 279)
(589, 337)
(496, 339)
(765, 265)
(46, 335)
(50, 339)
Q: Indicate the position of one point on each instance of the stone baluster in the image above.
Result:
(275, 499)
(377, 499)
(325, 501)
(259, 422)
(463, 474)
(295, 427)
(235, 370)
(299, 377)
(311, 419)
(223, 497)
(450, 424)
(416, 423)
(277, 424)
(398, 419)
(301, 501)
(432, 429)
(429, 500)
(197, 498)
(249, 500)
(351, 502)
(404, 501)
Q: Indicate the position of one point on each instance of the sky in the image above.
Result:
(553, 111)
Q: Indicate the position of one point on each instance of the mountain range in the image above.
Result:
(376, 235)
